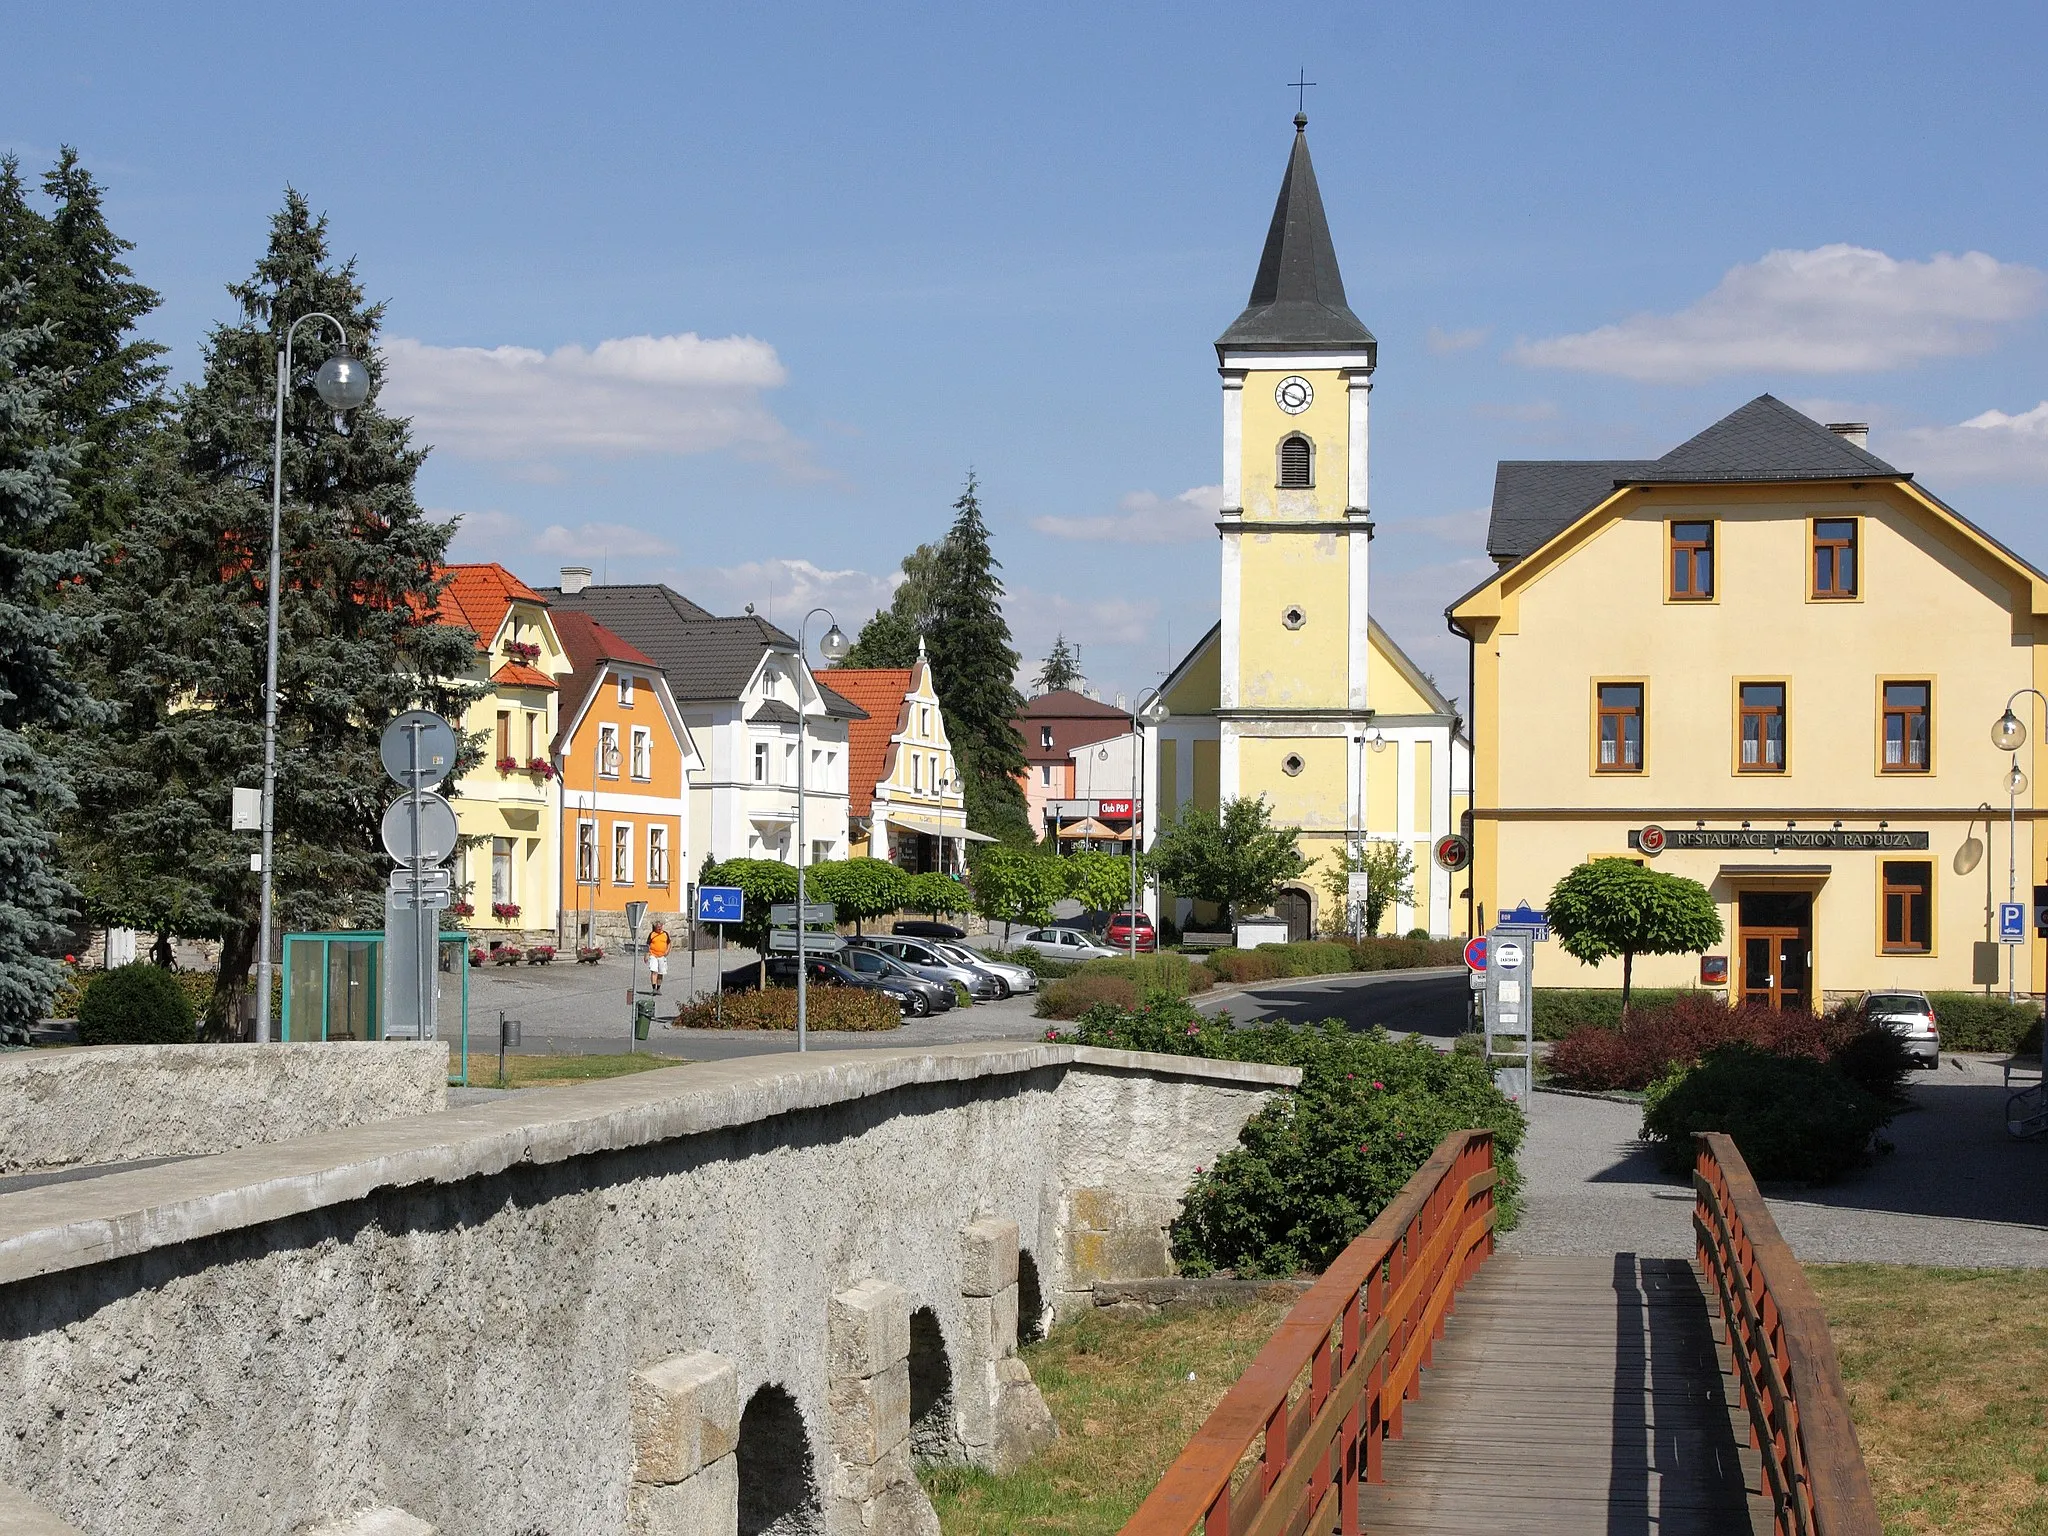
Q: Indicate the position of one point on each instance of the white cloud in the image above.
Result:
(1443, 342)
(782, 591)
(604, 540)
(629, 395)
(1144, 517)
(1991, 446)
(1835, 309)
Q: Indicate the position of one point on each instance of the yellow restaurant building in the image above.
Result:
(1773, 663)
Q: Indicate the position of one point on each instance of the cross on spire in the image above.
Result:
(1300, 88)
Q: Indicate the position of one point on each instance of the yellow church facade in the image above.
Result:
(1296, 695)
(1773, 663)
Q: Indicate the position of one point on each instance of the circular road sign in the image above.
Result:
(437, 748)
(1453, 852)
(437, 829)
(1475, 954)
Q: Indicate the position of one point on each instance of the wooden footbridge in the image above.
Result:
(1426, 1386)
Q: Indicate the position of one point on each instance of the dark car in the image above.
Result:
(1117, 935)
(830, 973)
(921, 996)
(926, 928)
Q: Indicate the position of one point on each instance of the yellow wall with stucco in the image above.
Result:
(1301, 668)
(1314, 797)
(1326, 424)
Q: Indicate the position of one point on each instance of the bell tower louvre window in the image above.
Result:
(1297, 464)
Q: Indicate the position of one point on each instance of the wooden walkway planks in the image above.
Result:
(1573, 1395)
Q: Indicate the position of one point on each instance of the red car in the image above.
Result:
(1118, 934)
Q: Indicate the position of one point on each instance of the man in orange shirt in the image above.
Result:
(657, 956)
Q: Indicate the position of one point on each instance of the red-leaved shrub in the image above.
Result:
(1652, 1040)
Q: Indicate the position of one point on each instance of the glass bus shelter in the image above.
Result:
(334, 990)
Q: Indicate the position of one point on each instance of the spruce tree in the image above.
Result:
(1061, 668)
(38, 644)
(182, 606)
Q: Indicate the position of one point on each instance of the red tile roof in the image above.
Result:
(588, 642)
(517, 674)
(880, 691)
(1075, 721)
(477, 596)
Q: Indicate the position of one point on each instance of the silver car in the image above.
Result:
(922, 958)
(1910, 1016)
(1019, 978)
(1066, 944)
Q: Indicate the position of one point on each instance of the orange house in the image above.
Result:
(623, 758)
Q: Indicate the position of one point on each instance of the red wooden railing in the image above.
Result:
(1784, 1358)
(1360, 1337)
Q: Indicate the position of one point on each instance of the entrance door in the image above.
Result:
(1776, 937)
(1292, 908)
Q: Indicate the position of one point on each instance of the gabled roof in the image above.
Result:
(1075, 721)
(477, 596)
(1067, 704)
(590, 647)
(706, 659)
(517, 674)
(1534, 500)
(881, 691)
(1298, 296)
(774, 712)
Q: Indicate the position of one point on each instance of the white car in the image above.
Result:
(1020, 978)
(1066, 944)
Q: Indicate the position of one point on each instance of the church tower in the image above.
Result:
(1296, 696)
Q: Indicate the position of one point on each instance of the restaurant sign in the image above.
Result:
(1654, 840)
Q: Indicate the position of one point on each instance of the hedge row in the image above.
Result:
(837, 1008)
(1124, 983)
(1325, 957)
(1969, 1021)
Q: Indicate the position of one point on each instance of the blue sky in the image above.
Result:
(733, 296)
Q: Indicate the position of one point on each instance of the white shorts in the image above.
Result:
(657, 965)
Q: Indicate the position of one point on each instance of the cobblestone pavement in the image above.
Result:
(1955, 1190)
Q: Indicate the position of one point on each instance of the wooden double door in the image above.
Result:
(1774, 937)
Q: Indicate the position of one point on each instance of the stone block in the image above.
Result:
(988, 1256)
(867, 1329)
(705, 1504)
(991, 1330)
(685, 1415)
(851, 1484)
(884, 1500)
(382, 1521)
(1117, 1235)
(868, 1416)
(1023, 1424)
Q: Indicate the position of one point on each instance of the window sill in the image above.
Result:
(1906, 954)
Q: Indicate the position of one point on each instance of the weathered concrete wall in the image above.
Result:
(120, 1103)
(444, 1315)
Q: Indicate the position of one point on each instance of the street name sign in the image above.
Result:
(783, 913)
(782, 941)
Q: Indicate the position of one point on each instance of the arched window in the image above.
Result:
(1297, 463)
(778, 1491)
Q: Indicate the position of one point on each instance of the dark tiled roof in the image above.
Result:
(1534, 500)
(774, 712)
(705, 658)
(1298, 296)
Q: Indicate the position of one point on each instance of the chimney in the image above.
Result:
(1857, 432)
(575, 578)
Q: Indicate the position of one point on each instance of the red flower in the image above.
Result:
(1378, 1084)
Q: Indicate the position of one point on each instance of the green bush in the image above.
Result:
(1560, 1010)
(1415, 952)
(138, 1004)
(1324, 957)
(1416, 933)
(1077, 995)
(1166, 974)
(1043, 966)
(1970, 1021)
(1791, 1117)
(851, 1009)
(1261, 964)
(1311, 1170)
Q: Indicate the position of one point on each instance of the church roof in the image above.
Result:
(1298, 296)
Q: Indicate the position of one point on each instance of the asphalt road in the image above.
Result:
(1427, 1003)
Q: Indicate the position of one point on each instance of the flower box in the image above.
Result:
(519, 650)
(541, 954)
(508, 765)
(477, 957)
(541, 766)
(589, 954)
(504, 911)
(461, 909)
(507, 954)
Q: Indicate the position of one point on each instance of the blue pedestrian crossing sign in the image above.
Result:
(721, 904)
(2012, 922)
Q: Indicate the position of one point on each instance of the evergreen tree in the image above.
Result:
(37, 643)
(1062, 667)
(886, 640)
(974, 669)
(182, 607)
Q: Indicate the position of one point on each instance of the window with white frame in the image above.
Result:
(657, 855)
(760, 762)
(586, 852)
(625, 690)
(622, 853)
(924, 721)
(643, 752)
(503, 891)
(608, 751)
(917, 770)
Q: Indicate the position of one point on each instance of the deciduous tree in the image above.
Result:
(1101, 882)
(1236, 858)
(1017, 885)
(859, 888)
(1389, 870)
(1609, 907)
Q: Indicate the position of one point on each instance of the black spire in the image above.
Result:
(1298, 297)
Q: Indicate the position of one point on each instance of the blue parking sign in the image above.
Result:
(721, 904)
(2012, 922)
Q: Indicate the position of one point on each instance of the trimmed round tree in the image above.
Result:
(1609, 907)
(859, 888)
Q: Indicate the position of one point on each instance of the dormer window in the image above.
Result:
(625, 690)
(1297, 463)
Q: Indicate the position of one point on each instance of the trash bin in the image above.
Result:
(643, 1017)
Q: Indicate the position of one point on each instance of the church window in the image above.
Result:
(1297, 463)
(1293, 616)
(1291, 765)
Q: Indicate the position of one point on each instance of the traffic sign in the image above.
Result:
(1475, 953)
(721, 904)
(434, 837)
(435, 879)
(1526, 917)
(782, 941)
(436, 750)
(2012, 922)
(783, 913)
(1453, 853)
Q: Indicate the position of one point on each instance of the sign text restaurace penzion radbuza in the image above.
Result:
(1654, 840)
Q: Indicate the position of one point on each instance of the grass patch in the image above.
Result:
(1119, 1391)
(1947, 1371)
(551, 1071)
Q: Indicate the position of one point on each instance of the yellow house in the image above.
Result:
(1296, 694)
(1771, 662)
(511, 862)
(904, 798)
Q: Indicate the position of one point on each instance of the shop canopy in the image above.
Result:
(1091, 828)
(926, 828)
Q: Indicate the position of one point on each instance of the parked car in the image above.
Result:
(1065, 944)
(919, 955)
(1910, 1016)
(1121, 925)
(830, 973)
(925, 996)
(927, 928)
(1015, 977)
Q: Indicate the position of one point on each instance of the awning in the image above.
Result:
(937, 829)
(1095, 829)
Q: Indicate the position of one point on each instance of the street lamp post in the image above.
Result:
(343, 384)
(1149, 710)
(2009, 734)
(833, 647)
(1375, 739)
